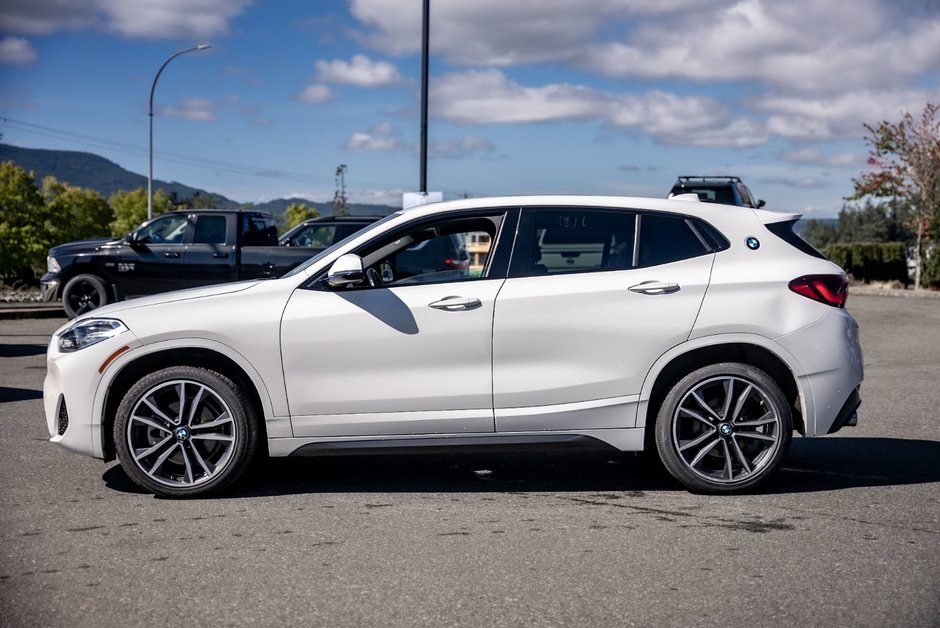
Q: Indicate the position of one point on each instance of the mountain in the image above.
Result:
(87, 170)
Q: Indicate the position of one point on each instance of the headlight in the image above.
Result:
(52, 265)
(88, 332)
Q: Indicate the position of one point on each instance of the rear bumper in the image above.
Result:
(848, 415)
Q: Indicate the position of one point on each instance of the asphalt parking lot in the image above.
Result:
(847, 535)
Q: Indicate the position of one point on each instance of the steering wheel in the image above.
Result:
(373, 277)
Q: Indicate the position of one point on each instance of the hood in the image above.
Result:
(170, 297)
(82, 246)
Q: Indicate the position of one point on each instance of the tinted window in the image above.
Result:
(575, 241)
(164, 230)
(316, 236)
(258, 230)
(209, 230)
(665, 239)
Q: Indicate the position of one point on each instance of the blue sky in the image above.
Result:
(527, 96)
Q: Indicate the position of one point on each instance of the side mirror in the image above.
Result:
(345, 271)
(760, 203)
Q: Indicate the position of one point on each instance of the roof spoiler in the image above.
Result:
(769, 217)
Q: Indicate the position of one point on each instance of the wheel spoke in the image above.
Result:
(729, 393)
(156, 410)
(162, 459)
(181, 391)
(705, 406)
(194, 406)
(728, 470)
(697, 441)
(740, 403)
(153, 449)
(218, 437)
(703, 451)
(757, 436)
(151, 423)
(697, 416)
(740, 456)
(764, 420)
(202, 463)
(189, 467)
(221, 420)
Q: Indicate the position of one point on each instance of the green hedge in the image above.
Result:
(871, 261)
(931, 269)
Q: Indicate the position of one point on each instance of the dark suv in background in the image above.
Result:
(717, 189)
(322, 233)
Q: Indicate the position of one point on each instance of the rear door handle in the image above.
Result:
(655, 287)
(171, 255)
(456, 304)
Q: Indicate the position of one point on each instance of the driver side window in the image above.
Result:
(164, 230)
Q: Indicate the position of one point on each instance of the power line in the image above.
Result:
(184, 159)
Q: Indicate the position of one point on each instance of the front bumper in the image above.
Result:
(49, 286)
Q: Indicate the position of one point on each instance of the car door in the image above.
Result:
(410, 355)
(593, 298)
(210, 255)
(152, 262)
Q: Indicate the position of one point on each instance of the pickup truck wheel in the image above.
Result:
(185, 431)
(83, 293)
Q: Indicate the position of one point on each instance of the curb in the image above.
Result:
(12, 312)
(893, 292)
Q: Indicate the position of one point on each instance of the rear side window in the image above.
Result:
(784, 231)
(209, 230)
(665, 239)
(575, 241)
(258, 231)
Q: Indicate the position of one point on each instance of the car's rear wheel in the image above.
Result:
(724, 428)
(185, 432)
(83, 293)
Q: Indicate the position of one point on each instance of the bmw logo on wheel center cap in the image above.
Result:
(725, 429)
(182, 434)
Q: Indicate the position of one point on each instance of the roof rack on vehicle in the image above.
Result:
(685, 178)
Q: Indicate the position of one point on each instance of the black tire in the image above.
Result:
(189, 449)
(83, 293)
(733, 442)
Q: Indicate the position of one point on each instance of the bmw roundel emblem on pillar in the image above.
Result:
(752, 243)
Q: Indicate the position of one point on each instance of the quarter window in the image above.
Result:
(665, 239)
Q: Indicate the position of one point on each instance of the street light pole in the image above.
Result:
(425, 43)
(153, 87)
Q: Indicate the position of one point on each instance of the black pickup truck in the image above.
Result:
(181, 249)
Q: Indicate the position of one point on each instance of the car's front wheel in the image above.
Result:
(83, 293)
(185, 431)
(723, 428)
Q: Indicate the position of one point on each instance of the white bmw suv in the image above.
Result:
(707, 333)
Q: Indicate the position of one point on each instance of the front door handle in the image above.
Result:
(171, 255)
(655, 287)
(220, 255)
(456, 304)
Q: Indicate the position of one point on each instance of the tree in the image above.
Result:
(130, 208)
(23, 238)
(296, 213)
(818, 233)
(74, 213)
(904, 161)
(885, 221)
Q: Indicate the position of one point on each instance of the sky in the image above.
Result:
(611, 97)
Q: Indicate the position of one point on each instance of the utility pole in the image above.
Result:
(425, 44)
(339, 197)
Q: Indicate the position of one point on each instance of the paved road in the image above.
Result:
(848, 535)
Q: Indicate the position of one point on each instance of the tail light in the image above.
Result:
(829, 289)
(457, 264)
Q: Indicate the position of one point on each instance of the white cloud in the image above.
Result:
(490, 97)
(314, 94)
(17, 51)
(465, 147)
(360, 71)
(816, 157)
(198, 109)
(167, 19)
(497, 32)
(806, 183)
(363, 142)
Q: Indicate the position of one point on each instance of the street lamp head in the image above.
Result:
(203, 46)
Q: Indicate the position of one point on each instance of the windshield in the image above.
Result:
(316, 258)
